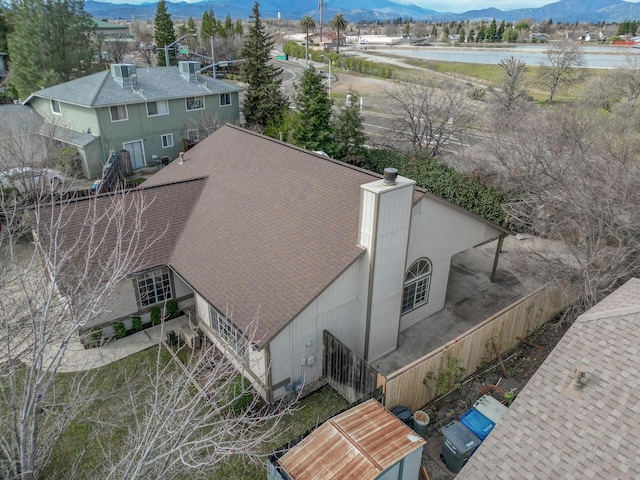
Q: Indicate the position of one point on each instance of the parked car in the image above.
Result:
(323, 74)
(28, 179)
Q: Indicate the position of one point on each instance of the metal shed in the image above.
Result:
(365, 442)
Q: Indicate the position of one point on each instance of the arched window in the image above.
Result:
(416, 285)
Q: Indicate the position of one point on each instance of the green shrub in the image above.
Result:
(172, 309)
(95, 338)
(120, 330)
(156, 315)
(136, 323)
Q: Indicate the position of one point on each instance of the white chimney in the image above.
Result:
(385, 217)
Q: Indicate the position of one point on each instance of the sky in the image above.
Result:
(455, 6)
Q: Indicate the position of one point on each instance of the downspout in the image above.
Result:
(267, 366)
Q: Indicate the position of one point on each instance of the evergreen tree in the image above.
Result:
(228, 25)
(500, 31)
(312, 128)
(238, 29)
(4, 29)
(348, 134)
(263, 101)
(49, 42)
(492, 32)
(164, 33)
(208, 25)
(191, 25)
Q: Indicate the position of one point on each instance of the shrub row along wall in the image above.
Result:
(406, 387)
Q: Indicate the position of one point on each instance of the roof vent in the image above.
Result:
(189, 70)
(124, 74)
(390, 175)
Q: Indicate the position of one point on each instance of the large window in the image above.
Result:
(225, 99)
(154, 287)
(416, 285)
(55, 107)
(118, 113)
(227, 332)
(157, 108)
(167, 140)
(195, 103)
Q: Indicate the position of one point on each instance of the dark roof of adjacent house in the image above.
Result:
(358, 444)
(153, 84)
(556, 430)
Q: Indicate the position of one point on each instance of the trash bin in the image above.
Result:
(480, 425)
(490, 408)
(403, 413)
(171, 338)
(458, 444)
(420, 422)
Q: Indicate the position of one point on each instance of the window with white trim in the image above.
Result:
(119, 113)
(193, 135)
(154, 287)
(167, 140)
(55, 107)
(225, 99)
(195, 103)
(157, 108)
(227, 332)
(416, 285)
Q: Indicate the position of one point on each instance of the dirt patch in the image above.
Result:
(519, 365)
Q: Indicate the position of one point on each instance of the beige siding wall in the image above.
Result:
(456, 232)
(405, 386)
(338, 310)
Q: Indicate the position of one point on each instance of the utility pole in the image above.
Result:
(321, 6)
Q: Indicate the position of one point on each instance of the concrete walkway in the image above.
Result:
(78, 359)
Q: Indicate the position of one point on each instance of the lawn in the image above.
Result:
(106, 417)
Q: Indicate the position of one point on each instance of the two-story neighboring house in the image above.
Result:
(148, 112)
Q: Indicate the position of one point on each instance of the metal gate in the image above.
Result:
(349, 374)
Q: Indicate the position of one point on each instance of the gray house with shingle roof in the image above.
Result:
(578, 416)
(149, 112)
(269, 245)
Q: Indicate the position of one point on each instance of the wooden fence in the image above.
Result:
(345, 371)
(474, 347)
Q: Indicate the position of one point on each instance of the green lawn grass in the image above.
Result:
(104, 417)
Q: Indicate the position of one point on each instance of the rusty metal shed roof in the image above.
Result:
(358, 444)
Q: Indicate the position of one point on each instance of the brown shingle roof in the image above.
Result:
(553, 431)
(274, 226)
(109, 217)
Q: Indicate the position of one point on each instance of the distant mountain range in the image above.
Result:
(592, 11)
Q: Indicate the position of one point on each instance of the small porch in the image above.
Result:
(471, 299)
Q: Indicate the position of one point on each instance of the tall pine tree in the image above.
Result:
(312, 129)
(263, 102)
(50, 40)
(164, 33)
(348, 133)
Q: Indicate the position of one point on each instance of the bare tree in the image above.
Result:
(191, 420)
(117, 49)
(40, 314)
(511, 91)
(430, 113)
(559, 67)
(576, 182)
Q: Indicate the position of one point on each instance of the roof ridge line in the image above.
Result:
(99, 89)
(616, 312)
(309, 152)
